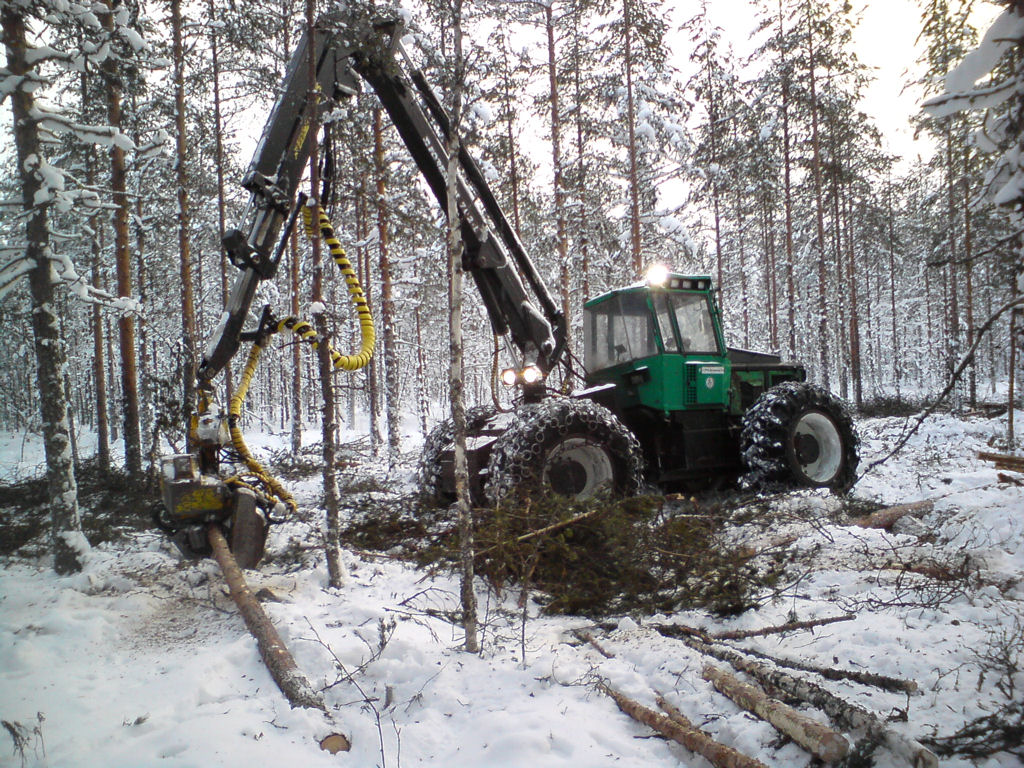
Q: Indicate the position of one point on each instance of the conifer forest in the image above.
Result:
(481, 528)
(607, 153)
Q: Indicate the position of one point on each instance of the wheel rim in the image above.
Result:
(578, 467)
(817, 447)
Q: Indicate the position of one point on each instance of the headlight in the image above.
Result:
(508, 377)
(657, 274)
(532, 374)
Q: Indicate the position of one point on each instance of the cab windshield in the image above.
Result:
(693, 318)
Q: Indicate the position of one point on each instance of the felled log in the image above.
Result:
(884, 518)
(275, 654)
(885, 682)
(1004, 460)
(681, 730)
(842, 713)
(787, 627)
(273, 651)
(818, 739)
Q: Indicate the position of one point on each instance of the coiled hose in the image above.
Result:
(305, 331)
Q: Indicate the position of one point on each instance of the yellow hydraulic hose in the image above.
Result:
(366, 331)
(237, 441)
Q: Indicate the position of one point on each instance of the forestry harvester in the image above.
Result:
(666, 401)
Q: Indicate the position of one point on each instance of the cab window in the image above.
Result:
(618, 330)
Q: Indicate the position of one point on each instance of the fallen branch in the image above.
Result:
(985, 736)
(1009, 479)
(681, 730)
(884, 518)
(844, 714)
(547, 529)
(589, 638)
(818, 739)
(275, 654)
(787, 627)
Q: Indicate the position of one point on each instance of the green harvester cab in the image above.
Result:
(656, 357)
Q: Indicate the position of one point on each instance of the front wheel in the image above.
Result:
(574, 448)
(440, 440)
(800, 434)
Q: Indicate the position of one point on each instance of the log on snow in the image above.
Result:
(885, 682)
(788, 627)
(1004, 460)
(682, 731)
(843, 713)
(818, 739)
(275, 654)
(884, 518)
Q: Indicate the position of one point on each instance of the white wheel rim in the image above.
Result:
(578, 467)
(819, 460)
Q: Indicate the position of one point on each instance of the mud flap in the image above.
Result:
(248, 533)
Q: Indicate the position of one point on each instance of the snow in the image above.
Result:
(141, 659)
(999, 39)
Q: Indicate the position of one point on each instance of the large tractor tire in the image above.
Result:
(574, 448)
(441, 439)
(798, 434)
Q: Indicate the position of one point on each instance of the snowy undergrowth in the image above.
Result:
(142, 660)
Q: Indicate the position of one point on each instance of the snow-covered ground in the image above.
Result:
(142, 660)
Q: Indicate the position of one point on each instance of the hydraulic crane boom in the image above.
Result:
(347, 48)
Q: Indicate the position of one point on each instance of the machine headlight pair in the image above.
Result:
(531, 374)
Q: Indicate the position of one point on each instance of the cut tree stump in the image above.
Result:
(681, 730)
(884, 518)
(275, 654)
(818, 739)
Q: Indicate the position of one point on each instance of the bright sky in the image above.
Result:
(885, 42)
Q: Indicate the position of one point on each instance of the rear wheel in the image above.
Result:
(574, 448)
(800, 434)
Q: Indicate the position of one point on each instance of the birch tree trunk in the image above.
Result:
(387, 306)
(67, 542)
(456, 382)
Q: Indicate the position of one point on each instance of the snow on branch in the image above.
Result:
(9, 83)
(11, 272)
(1004, 182)
(84, 290)
(980, 98)
(101, 135)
